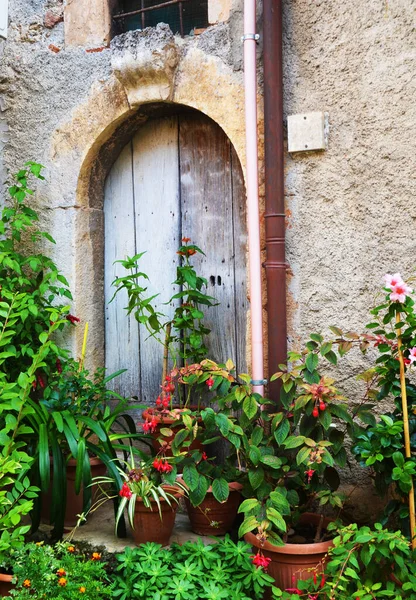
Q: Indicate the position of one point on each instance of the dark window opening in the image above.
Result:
(183, 16)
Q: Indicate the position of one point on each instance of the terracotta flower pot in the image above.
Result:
(169, 422)
(148, 526)
(5, 584)
(212, 517)
(292, 562)
(74, 502)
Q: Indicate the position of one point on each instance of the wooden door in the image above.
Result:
(178, 177)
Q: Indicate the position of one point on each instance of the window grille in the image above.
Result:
(183, 16)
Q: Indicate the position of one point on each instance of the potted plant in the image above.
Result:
(364, 562)
(151, 493)
(77, 434)
(288, 458)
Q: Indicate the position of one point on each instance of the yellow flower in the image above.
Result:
(27, 583)
(61, 572)
(71, 548)
(82, 589)
(62, 581)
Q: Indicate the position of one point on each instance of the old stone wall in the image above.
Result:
(65, 94)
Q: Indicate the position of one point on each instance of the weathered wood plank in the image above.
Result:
(207, 218)
(121, 332)
(241, 305)
(157, 210)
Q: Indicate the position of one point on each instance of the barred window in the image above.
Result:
(183, 16)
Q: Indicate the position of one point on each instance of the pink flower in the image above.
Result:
(393, 280)
(125, 491)
(412, 355)
(399, 292)
(210, 382)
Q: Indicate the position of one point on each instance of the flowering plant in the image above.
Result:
(60, 572)
(150, 481)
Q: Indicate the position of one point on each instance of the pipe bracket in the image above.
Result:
(256, 382)
(250, 36)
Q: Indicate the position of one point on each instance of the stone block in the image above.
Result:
(218, 11)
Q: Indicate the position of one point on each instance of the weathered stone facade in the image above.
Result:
(66, 94)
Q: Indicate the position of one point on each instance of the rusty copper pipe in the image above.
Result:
(275, 263)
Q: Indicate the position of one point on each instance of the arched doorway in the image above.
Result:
(178, 177)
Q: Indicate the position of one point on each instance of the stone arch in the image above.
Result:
(85, 147)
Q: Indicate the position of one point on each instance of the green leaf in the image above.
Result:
(276, 518)
(282, 432)
(44, 458)
(190, 476)
(294, 441)
(247, 525)
(331, 357)
(220, 489)
(312, 361)
(256, 477)
(303, 455)
(197, 495)
(248, 505)
(250, 407)
(271, 461)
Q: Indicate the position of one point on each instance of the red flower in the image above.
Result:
(186, 240)
(61, 572)
(210, 382)
(204, 456)
(260, 561)
(58, 365)
(310, 473)
(162, 465)
(315, 412)
(165, 402)
(158, 401)
(150, 426)
(322, 406)
(321, 585)
(73, 319)
(125, 491)
(40, 381)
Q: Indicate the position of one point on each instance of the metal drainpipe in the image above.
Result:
(275, 264)
(253, 220)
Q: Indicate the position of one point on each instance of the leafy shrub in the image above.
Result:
(190, 572)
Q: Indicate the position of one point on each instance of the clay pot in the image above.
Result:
(148, 526)
(170, 423)
(74, 502)
(292, 562)
(212, 517)
(5, 584)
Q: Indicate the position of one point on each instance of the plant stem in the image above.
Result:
(406, 432)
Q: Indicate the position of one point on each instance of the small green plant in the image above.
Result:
(364, 564)
(58, 572)
(184, 334)
(193, 571)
